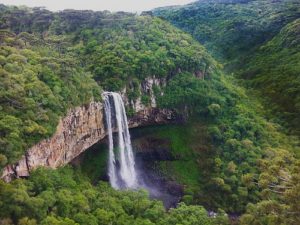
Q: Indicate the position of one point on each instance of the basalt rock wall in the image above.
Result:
(81, 128)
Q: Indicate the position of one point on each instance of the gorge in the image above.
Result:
(181, 130)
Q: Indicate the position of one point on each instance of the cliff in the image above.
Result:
(81, 128)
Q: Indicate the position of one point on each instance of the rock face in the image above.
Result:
(150, 152)
(78, 130)
(146, 87)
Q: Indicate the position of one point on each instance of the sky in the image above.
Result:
(111, 5)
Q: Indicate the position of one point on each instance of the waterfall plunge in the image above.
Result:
(122, 174)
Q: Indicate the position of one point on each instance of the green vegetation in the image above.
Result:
(280, 184)
(184, 167)
(38, 85)
(231, 29)
(235, 137)
(66, 197)
(222, 144)
(259, 40)
(274, 69)
(47, 66)
(137, 48)
(227, 154)
(93, 164)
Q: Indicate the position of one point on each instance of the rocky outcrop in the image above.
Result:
(152, 116)
(81, 128)
(146, 87)
(78, 130)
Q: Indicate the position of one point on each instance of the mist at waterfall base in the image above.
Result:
(123, 171)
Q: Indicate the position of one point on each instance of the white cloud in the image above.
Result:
(112, 5)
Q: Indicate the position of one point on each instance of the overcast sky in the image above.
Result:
(111, 5)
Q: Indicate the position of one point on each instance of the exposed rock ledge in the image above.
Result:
(81, 128)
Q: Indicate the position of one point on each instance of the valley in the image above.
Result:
(180, 115)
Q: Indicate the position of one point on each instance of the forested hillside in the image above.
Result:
(228, 156)
(274, 69)
(258, 37)
(50, 62)
(258, 41)
(231, 29)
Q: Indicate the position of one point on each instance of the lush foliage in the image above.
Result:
(232, 28)
(37, 85)
(241, 35)
(65, 197)
(126, 53)
(236, 137)
(280, 184)
(227, 154)
(48, 65)
(275, 69)
(262, 39)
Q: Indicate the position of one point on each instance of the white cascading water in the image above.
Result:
(124, 175)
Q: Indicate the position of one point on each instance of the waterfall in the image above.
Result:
(111, 164)
(121, 168)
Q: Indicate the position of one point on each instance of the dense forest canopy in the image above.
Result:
(274, 69)
(38, 84)
(228, 156)
(72, 200)
(232, 29)
(259, 40)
